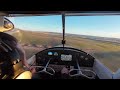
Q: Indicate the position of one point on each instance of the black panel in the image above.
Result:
(85, 60)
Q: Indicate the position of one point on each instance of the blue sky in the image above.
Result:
(105, 26)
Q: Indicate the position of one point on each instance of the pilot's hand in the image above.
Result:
(32, 69)
(64, 71)
(28, 67)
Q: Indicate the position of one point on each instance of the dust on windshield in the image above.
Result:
(97, 35)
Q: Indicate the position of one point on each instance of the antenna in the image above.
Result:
(63, 27)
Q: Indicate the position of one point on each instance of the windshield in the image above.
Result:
(97, 35)
(36, 33)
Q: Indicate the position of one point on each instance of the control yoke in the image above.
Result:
(79, 72)
(46, 69)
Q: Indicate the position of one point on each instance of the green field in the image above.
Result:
(107, 52)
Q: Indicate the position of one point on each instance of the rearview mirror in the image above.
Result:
(8, 25)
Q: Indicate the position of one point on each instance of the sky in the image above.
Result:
(104, 26)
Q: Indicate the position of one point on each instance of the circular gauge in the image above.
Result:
(81, 57)
(55, 54)
(50, 53)
(86, 58)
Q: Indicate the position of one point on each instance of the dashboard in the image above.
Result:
(64, 56)
(67, 62)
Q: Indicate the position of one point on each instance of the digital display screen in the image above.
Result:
(66, 57)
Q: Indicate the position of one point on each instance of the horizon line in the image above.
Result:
(67, 33)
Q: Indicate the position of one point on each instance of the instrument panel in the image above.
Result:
(64, 56)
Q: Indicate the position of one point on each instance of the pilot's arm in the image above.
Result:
(13, 43)
(23, 57)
